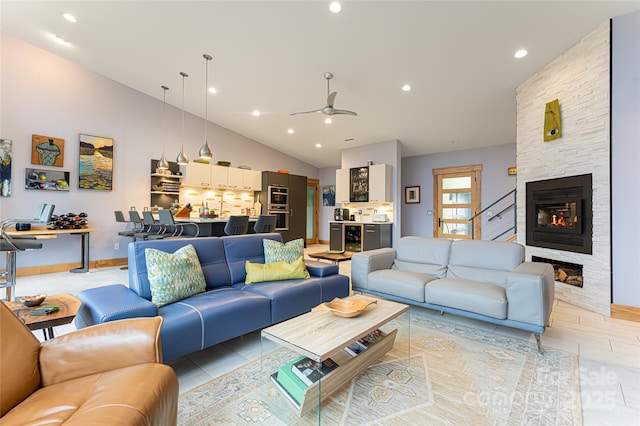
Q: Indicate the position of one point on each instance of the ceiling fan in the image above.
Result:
(331, 96)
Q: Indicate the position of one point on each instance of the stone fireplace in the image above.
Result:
(580, 80)
(559, 213)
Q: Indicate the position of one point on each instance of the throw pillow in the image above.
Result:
(275, 271)
(275, 251)
(174, 276)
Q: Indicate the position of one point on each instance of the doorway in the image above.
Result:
(456, 198)
(313, 206)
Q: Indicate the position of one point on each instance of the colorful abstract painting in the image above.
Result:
(47, 151)
(96, 163)
(5, 167)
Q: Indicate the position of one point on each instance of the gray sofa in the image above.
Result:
(487, 280)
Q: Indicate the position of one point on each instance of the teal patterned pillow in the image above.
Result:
(275, 251)
(174, 276)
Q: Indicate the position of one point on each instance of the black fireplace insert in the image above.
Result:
(559, 213)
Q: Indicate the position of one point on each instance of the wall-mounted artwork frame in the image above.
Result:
(95, 169)
(47, 151)
(46, 180)
(512, 171)
(412, 194)
(329, 195)
(6, 156)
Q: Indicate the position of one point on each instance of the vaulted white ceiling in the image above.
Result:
(271, 56)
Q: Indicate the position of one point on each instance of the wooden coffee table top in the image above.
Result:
(334, 257)
(320, 334)
(69, 306)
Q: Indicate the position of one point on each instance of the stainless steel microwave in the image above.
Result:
(278, 198)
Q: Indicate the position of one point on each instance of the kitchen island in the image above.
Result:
(213, 227)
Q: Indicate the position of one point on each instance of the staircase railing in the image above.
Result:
(510, 208)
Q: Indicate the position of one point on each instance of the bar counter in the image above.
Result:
(211, 227)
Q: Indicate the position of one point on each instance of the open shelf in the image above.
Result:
(348, 367)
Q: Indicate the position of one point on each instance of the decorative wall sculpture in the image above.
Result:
(552, 121)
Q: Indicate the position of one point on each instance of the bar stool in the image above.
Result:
(150, 223)
(237, 225)
(265, 223)
(140, 228)
(166, 219)
(120, 219)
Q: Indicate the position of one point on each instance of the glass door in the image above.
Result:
(456, 200)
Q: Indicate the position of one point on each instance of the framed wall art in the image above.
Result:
(329, 195)
(47, 151)
(95, 163)
(412, 194)
(51, 180)
(5, 167)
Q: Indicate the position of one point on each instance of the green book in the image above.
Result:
(290, 382)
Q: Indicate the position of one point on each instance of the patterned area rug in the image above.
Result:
(455, 375)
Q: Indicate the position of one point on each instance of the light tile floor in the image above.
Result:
(608, 349)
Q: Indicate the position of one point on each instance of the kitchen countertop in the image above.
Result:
(211, 220)
(363, 222)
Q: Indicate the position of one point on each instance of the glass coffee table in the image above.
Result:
(320, 335)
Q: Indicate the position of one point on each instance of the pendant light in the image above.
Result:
(163, 164)
(205, 150)
(182, 157)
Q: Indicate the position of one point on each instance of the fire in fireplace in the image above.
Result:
(559, 214)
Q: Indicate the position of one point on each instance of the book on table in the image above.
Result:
(370, 338)
(290, 382)
(310, 371)
(355, 348)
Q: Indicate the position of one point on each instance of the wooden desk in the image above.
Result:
(69, 306)
(42, 233)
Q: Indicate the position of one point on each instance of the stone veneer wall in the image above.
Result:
(579, 79)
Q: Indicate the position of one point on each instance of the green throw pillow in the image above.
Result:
(275, 271)
(174, 276)
(275, 251)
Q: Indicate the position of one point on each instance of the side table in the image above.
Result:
(69, 306)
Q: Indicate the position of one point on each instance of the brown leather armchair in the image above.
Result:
(108, 374)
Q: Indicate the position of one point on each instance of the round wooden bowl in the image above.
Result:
(346, 308)
(31, 301)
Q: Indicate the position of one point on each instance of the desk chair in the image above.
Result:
(265, 223)
(13, 245)
(237, 225)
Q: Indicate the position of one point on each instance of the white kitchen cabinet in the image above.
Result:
(219, 176)
(197, 174)
(234, 178)
(342, 186)
(251, 180)
(380, 183)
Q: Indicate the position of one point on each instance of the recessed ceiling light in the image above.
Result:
(291, 131)
(318, 145)
(69, 17)
(213, 90)
(256, 113)
(335, 7)
(327, 120)
(406, 88)
(520, 54)
(60, 40)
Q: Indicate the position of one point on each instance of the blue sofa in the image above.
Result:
(227, 309)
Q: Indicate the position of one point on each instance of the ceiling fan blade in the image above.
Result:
(344, 112)
(331, 98)
(306, 112)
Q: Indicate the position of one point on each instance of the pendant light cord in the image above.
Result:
(183, 74)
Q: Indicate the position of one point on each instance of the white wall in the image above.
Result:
(46, 95)
(625, 158)
(579, 79)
